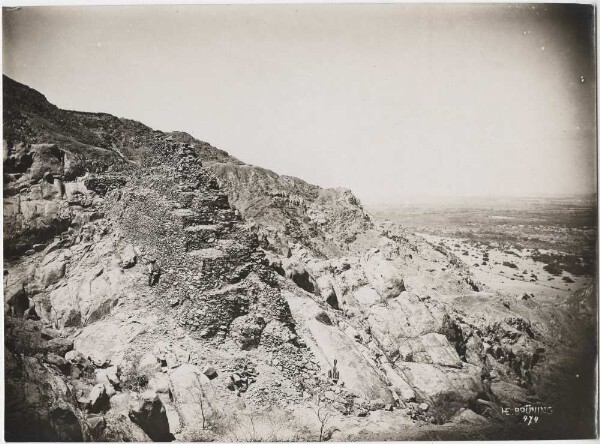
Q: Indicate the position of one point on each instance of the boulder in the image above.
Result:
(112, 374)
(187, 381)
(98, 400)
(192, 392)
(74, 357)
(65, 422)
(383, 275)
(50, 333)
(59, 362)
(367, 296)
(447, 388)
(183, 356)
(75, 191)
(52, 190)
(467, 416)
(52, 273)
(326, 287)
(109, 376)
(148, 365)
(474, 353)
(96, 425)
(150, 415)
(60, 346)
(160, 350)
(509, 395)
(210, 372)
(110, 390)
(173, 418)
(128, 257)
(160, 383)
(376, 404)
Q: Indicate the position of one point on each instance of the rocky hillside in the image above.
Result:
(268, 287)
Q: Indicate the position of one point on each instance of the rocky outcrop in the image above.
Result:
(288, 210)
(269, 292)
(40, 403)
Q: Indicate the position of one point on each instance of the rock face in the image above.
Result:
(39, 403)
(288, 209)
(268, 292)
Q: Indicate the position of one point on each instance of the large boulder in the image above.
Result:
(52, 273)
(150, 414)
(109, 376)
(128, 256)
(509, 395)
(148, 365)
(468, 416)
(59, 362)
(383, 274)
(60, 346)
(160, 383)
(367, 295)
(65, 422)
(446, 388)
(75, 191)
(193, 394)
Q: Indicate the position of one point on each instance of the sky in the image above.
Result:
(393, 101)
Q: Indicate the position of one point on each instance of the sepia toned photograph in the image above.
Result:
(299, 222)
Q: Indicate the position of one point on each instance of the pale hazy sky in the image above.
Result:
(388, 100)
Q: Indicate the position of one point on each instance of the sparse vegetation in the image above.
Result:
(556, 263)
(268, 426)
(324, 413)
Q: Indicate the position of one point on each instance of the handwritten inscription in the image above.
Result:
(530, 414)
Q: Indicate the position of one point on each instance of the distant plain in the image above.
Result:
(526, 245)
